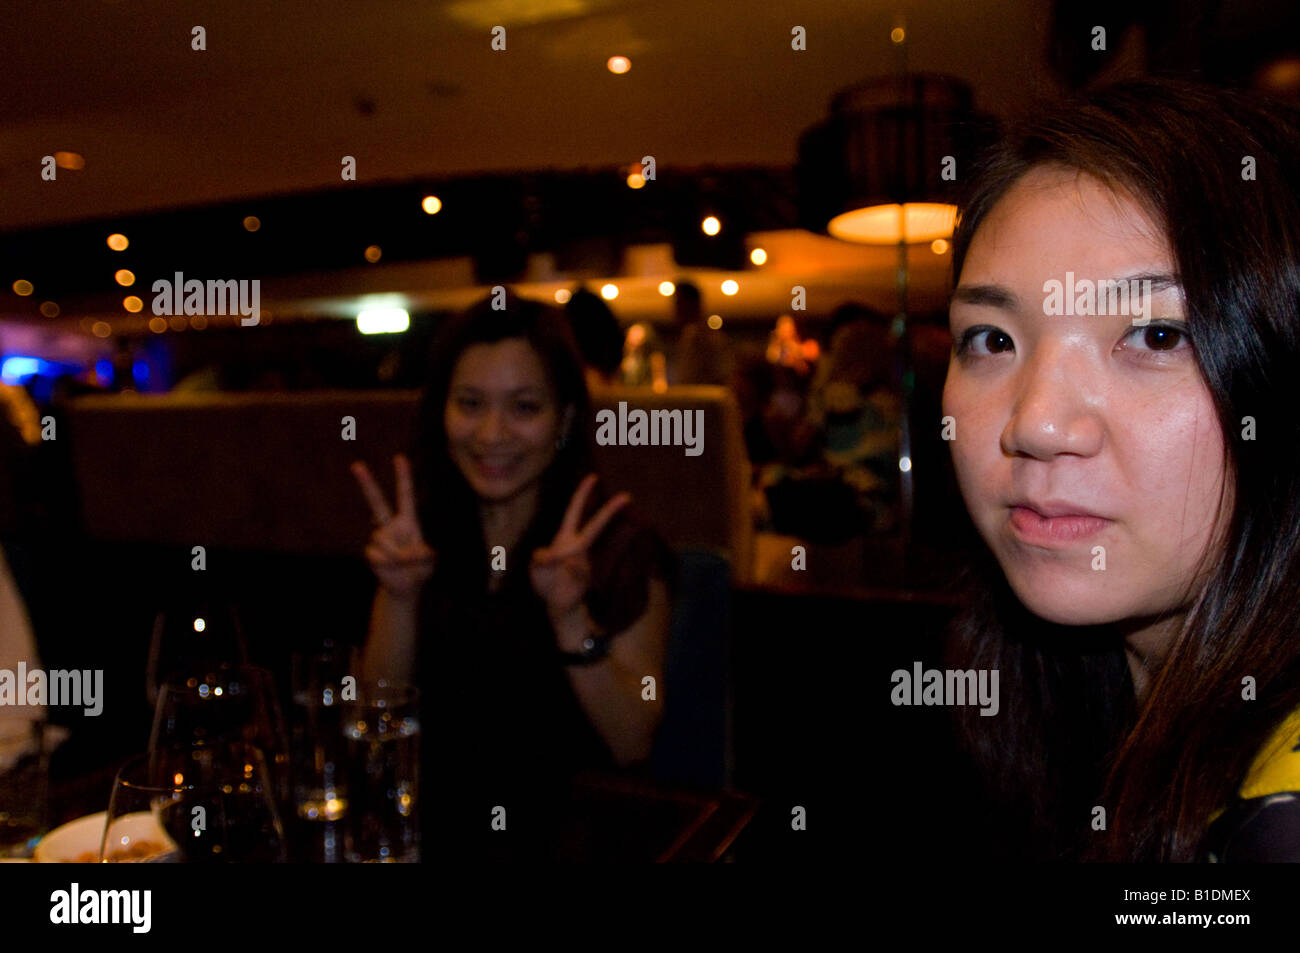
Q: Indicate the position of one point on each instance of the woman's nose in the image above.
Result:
(1058, 407)
(493, 425)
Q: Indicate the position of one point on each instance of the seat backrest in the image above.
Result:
(269, 471)
(698, 503)
(693, 747)
(261, 471)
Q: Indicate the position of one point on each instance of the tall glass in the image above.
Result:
(382, 732)
(24, 787)
(320, 754)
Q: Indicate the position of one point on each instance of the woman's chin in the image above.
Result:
(495, 491)
(498, 489)
(1064, 605)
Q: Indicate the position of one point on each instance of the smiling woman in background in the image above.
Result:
(530, 658)
(1136, 481)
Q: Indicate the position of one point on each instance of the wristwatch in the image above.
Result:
(594, 648)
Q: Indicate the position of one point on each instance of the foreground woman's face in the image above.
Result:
(501, 418)
(1081, 441)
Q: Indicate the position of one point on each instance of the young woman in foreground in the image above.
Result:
(1135, 475)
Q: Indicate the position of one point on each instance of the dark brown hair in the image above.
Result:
(1069, 736)
(449, 508)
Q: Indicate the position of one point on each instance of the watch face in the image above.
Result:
(593, 650)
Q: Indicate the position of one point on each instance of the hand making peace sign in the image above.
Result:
(561, 571)
(397, 551)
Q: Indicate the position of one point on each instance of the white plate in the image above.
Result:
(65, 844)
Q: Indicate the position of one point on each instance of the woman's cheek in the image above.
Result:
(962, 430)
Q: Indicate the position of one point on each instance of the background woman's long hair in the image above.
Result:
(448, 506)
(1069, 735)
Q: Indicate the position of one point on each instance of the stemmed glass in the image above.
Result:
(191, 637)
(134, 831)
(206, 802)
(225, 705)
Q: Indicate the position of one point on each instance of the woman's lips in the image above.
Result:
(496, 469)
(1035, 528)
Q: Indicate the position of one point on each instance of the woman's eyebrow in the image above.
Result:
(1159, 281)
(997, 296)
(528, 390)
(992, 296)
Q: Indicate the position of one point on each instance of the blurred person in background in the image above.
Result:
(530, 664)
(702, 354)
(21, 497)
(643, 364)
(754, 385)
(785, 348)
(599, 338)
(20, 435)
(845, 484)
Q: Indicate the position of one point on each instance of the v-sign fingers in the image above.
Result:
(575, 559)
(405, 486)
(593, 528)
(374, 496)
(576, 505)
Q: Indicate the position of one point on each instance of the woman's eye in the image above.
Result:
(984, 340)
(528, 409)
(467, 403)
(1159, 337)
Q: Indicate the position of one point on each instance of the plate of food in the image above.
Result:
(136, 838)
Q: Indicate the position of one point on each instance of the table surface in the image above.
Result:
(606, 819)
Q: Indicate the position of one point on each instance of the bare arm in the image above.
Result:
(402, 563)
(390, 642)
(611, 691)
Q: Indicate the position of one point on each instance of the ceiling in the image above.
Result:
(284, 90)
(413, 90)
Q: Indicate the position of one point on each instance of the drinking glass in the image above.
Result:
(320, 754)
(134, 831)
(225, 705)
(193, 634)
(24, 787)
(382, 732)
(200, 803)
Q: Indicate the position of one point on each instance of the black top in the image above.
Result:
(500, 722)
(1262, 824)
(1257, 830)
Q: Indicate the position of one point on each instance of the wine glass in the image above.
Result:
(192, 635)
(225, 705)
(200, 803)
(133, 829)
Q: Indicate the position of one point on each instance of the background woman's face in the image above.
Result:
(501, 418)
(1080, 431)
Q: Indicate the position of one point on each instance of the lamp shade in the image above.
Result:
(874, 171)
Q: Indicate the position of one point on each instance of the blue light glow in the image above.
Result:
(16, 367)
